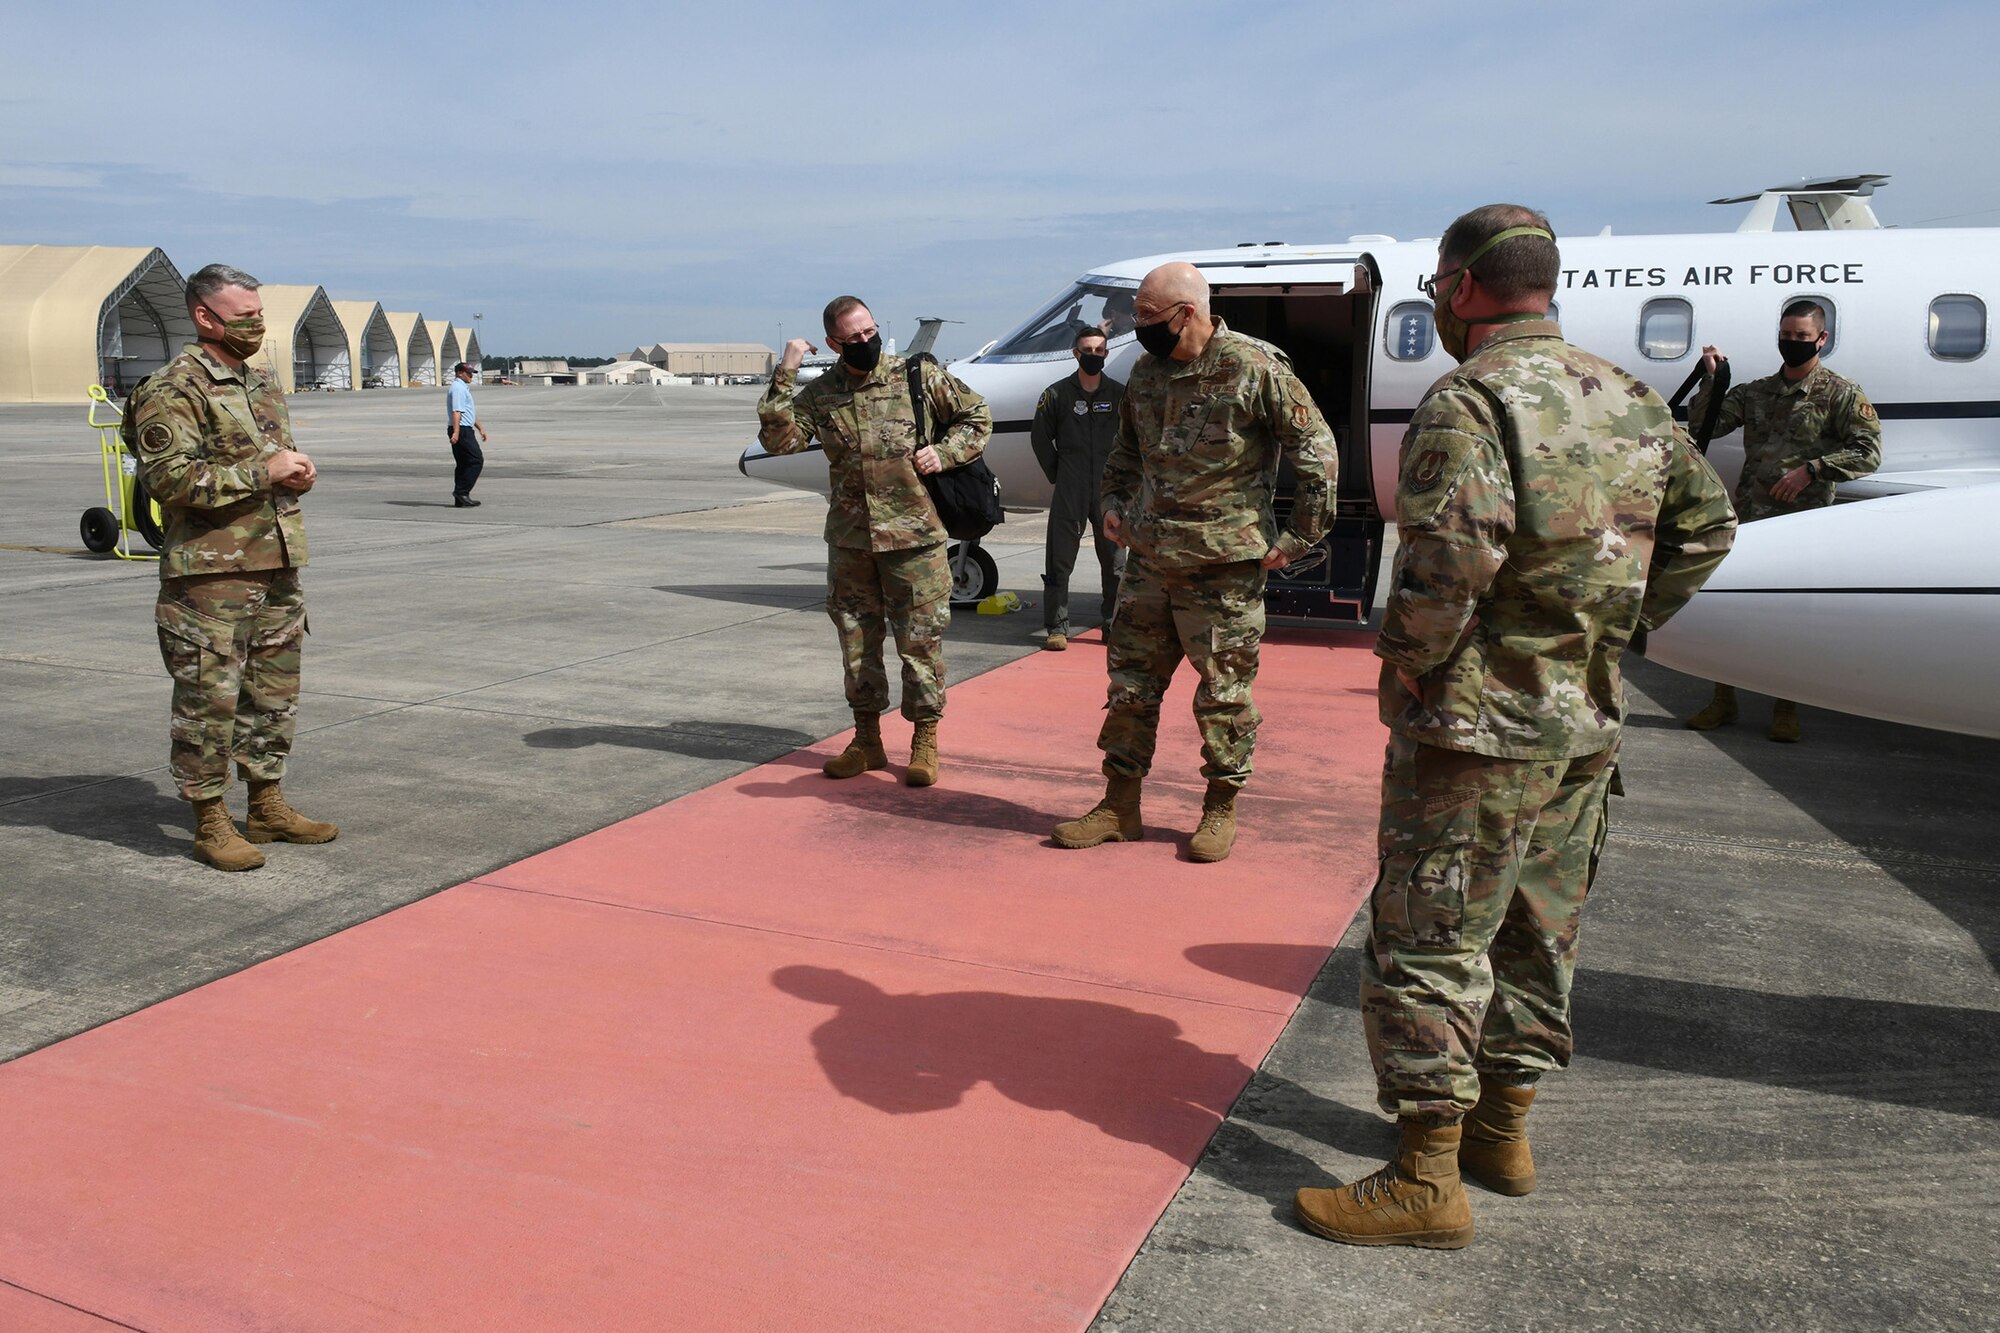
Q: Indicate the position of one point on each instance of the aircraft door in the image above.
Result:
(1326, 329)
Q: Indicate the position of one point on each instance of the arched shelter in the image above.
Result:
(468, 344)
(420, 364)
(371, 345)
(305, 345)
(76, 315)
(449, 353)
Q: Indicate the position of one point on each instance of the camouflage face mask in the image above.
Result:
(1454, 334)
(240, 337)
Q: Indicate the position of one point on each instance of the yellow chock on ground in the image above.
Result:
(999, 604)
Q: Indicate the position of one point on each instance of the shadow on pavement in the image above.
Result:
(1131, 1074)
(882, 793)
(125, 812)
(1922, 805)
(744, 741)
(796, 595)
(1923, 1055)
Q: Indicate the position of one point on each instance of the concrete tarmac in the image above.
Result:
(1783, 1107)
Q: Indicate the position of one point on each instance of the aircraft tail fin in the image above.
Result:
(1834, 203)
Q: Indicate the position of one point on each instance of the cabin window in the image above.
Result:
(1555, 310)
(1832, 319)
(1958, 328)
(1666, 328)
(1410, 334)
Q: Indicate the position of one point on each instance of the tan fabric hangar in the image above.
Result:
(305, 345)
(372, 353)
(420, 364)
(76, 315)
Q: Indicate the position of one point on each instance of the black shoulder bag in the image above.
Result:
(967, 497)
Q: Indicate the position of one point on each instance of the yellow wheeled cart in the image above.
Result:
(127, 508)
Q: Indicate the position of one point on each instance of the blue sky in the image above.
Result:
(591, 177)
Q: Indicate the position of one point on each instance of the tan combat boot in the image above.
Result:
(1113, 819)
(1056, 641)
(217, 842)
(1414, 1200)
(863, 754)
(1721, 711)
(1495, 1151)
(1785, 721)
(272, 819)
(1216, 833)
(923, 768)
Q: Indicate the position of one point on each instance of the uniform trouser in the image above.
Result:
(1473, 921)
(470, 460)
(907, 593)
(1065, 535)
(232, 643)
(1213, 615)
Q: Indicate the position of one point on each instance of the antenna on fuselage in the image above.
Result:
(1836, 203)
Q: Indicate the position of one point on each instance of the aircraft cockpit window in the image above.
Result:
(1666, 329)
(1409, 335)
(1101, 304)
(1958, 328)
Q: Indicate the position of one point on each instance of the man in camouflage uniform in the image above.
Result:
(215, 449)
(1206, 419)
(885, 566)
(1804, 429)
(1075, 422)
(1549, 511)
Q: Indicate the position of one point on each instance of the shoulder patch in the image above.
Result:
(1435, 463)
(1424, 470)
(1866, 410)
(155, 437)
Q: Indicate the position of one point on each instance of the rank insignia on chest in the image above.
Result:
(1426, 469)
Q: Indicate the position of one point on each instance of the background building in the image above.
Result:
(449, 353)
(371, 345)
(689, 359)
(305, 345)
(76, 315)
(419, 352)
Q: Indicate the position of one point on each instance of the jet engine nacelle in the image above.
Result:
(1889, 608)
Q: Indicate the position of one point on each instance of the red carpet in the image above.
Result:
(784, 1053)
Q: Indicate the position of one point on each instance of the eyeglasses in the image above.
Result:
(1141, 322)
(1429, 286)
(860, 337)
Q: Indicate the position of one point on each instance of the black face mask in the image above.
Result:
(1092, 363)
(1797, 351)
(1159, 339)
(863, 355)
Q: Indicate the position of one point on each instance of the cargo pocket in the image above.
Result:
(194, 646)
(1429, 844)
(275, 627)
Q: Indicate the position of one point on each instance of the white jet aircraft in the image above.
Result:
(1890, 609)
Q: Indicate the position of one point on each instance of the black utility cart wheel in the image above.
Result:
(99, 529)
